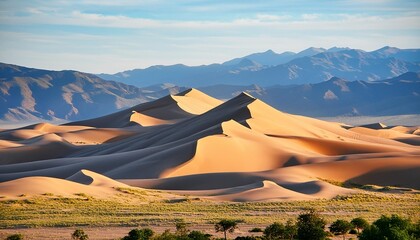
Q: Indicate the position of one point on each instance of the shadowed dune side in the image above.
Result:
(94, 179)
(38, 148)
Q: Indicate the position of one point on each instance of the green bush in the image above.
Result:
(15, 237)
(359, 223)
(197, 235)
(274, 231)
(79, 234)
(167, 235)
(246, 238)
(256, 230)
(341, 227)
(391, 228)
(139, 234)
(310, 226)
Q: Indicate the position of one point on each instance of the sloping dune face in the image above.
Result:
(239, 150)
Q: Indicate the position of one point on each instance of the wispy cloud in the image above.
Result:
(193, 31)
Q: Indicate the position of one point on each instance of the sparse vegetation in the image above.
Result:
(256, 230)
(15, 237)
(56, 211)
(197, 235)
(393, 227)
(79, 234)
(139, 234)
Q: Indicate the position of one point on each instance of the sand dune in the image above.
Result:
(239, 150)
(99, 186)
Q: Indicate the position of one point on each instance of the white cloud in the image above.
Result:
(311, 22)
(310, 16)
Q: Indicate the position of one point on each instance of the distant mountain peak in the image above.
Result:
(388, 49)
(337, 49)
(269, 51)
(337, 79)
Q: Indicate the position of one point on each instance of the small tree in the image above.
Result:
(359, 223)
(341, 227)
(310, 226)
(15, 237)
(225, 226)
(274, 231)
(79, 234)
(290, 230)
(139, 234)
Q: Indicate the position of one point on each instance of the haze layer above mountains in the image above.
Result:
(315, 82)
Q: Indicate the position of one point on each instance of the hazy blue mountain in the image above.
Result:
(312, 65)
(268, 58)
(337, 97)
(32, 94)
(271, 58)
(409, 55)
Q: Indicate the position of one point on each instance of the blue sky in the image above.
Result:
(110, 36)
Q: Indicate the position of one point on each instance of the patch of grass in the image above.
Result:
(58, 212)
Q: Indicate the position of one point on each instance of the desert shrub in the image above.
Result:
(181, 228)
(274, 231)
(167, 235)
(290, 229)
(139, 234)
(353, 231)
(341, 227)
(310, 226)
(391, 228)
(245, 238)
(79, 234)
(256, 230)
(197, 235)
(15, 237)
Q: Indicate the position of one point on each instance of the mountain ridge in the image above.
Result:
(268, 68)
(34, 94)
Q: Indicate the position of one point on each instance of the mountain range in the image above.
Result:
(385, 85)
(35, 95)
(336, 97)
(312, 65)
(28, 94)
